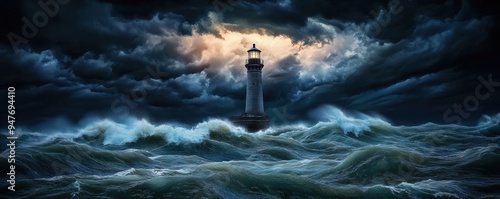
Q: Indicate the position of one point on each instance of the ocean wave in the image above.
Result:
(344, 156)
(354, 122)
(113, 133)
(66, 157)
(374, 164)
(480, 159)
(354, 129)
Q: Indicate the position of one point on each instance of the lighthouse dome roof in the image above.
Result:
(254, 49)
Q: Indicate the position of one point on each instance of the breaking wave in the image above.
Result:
(343, 156)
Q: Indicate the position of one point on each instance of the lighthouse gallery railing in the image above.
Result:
(254, 61)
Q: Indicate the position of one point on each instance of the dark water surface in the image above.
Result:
(344, 158)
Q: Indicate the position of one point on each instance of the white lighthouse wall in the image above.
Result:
(254, 97)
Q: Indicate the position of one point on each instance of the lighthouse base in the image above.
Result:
(252, 123)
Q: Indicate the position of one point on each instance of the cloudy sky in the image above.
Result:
(408, 61)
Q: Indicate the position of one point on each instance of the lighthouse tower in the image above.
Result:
(254, 97)
(254, 118)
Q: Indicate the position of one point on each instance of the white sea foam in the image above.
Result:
(119, 134)
(439, 188)
(162, 172)
(355, 123)
(487, 120)
(445, 195)
(76, 185)
(124, 173)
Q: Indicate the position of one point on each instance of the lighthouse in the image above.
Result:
(254, 118)
(254, 96)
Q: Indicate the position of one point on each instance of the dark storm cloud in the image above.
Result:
(32, 68)
(419, 76)
(92, 68)
(191, 10)
(104, 57)
(283, 17)
(37, 105)
(284, 75)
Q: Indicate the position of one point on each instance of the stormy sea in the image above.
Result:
(344, 156)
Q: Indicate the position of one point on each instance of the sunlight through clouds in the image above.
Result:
(226, 51)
